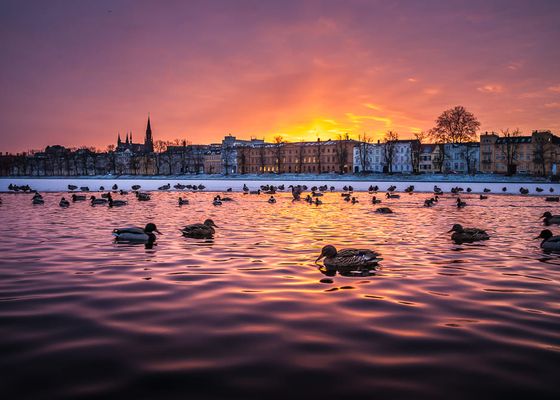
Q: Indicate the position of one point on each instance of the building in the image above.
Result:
(535, 154)
(461, 158)
(136, 148)
(393, 156)
(298, 157)
(426, 165)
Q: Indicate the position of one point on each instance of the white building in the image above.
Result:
(462, 158)
(373, 157)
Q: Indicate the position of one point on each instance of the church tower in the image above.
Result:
(149, 141)
(119, 141)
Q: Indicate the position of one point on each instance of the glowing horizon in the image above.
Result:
(77, 74)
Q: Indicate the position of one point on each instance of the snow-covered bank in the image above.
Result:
(236, 183)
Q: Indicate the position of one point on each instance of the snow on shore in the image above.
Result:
(423, 183)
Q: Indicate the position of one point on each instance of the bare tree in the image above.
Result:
(278, 152)
(468, 153)
(509, 147)
(416, 150)
(227, 153)
(262, 157)
(341, 152)
(541, 151)
(364, 145)
(390, 141)
(243, 153)
(456, 125)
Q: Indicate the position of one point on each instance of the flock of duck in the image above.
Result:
(345, 259)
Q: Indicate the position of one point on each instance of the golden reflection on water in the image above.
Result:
(251, 303)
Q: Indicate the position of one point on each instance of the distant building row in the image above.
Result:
(537, 154)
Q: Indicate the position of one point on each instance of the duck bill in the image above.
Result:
(318, 258)
(158, 232)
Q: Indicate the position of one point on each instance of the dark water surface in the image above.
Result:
(247, 315)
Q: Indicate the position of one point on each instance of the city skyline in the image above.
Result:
(77, 74)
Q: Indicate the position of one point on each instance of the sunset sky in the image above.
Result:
(78, 72)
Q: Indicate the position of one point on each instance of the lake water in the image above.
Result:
(249, 315)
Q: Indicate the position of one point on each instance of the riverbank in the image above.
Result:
(421, 183)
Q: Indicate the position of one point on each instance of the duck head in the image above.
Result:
(545, 234)
(209, 222)
(456, 228)
(546, 215)
(327, 251)
(150, 228)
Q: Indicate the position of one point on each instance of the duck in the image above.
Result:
(115, 187)
(64, 203)
(552, 199)
(549, 241)
(95, 201)
(348, 258)
(135, 187)
(78, 197)
(375, 200)
(142, 196)
(384, 210)
(482, 197)
(72, 187)
(272, 200)
(392, 196)
(550, 219)
(37, 200)
(117, 203)
(123, 192)
(183, 202)
(354, 200)
(217, 201)
(317, 201)
(468, 235)
(200, 231)
(461, 203)
(136, 234)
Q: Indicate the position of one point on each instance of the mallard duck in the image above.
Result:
(354, 200)
(200, 231)
(135, 187)
(72, 187)
(117, 203)
(272, 200)
(183, 202)
(392, 196)
(64, 203)
(95, 201)
(467, 235)
(549, 241)
(142, 196)
(384, 210)
(137, 234)
(217, 201)
(461, 203)
(550, 219)
(38, 200)
(78, 197)
(317, 202)
(482, 197)
(552, 198)
(348, 258)
(375, 200)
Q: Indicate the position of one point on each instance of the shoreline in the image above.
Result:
(236, 183)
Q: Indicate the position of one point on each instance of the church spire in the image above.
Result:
(119, 141)
(127, 138)
(149, 141)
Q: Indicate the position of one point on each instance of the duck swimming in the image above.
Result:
(461, 203)
(550, 219)
(549, 241)
(95, 201)
(375, 200)
(272, 200)
(183, 202)
(348, 258)
(64, 203)
(200, 231)
(467, 235)
(78, 197)
(137, 235)
(117, 203)
(384, 210)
